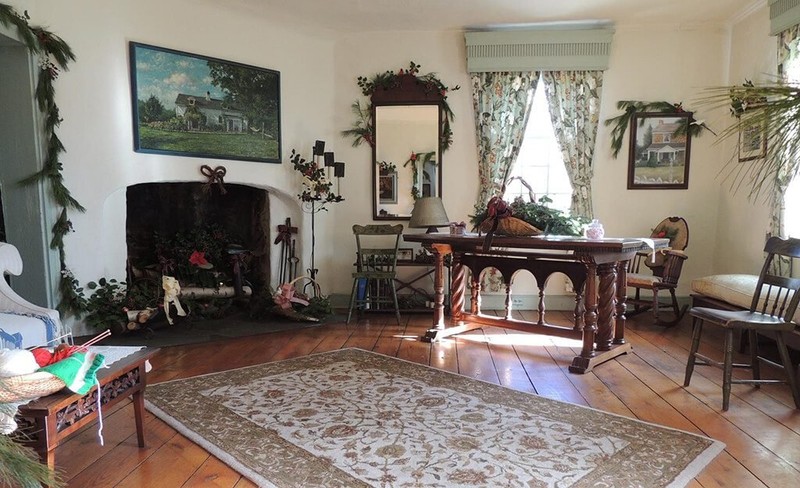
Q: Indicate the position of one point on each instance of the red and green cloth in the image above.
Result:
(78, 370)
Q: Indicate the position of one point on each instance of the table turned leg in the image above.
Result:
(608, 292)
(590, 315)
(622, 298)
(457, 289)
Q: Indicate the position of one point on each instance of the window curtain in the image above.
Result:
(502, 102)
(787, 52)
(574, 101)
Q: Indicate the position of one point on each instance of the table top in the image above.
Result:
(473, 241)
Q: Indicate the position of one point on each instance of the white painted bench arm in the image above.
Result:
(11, 263)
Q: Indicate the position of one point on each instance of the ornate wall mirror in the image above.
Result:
(407, 158)
(408, 126)
(407, 153)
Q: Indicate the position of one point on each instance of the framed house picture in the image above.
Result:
(659, 151)
(752, 143)
(387, 187)
(405, 254)
(192, 105)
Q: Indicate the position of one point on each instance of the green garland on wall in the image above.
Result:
(631, 107)
(54, 55)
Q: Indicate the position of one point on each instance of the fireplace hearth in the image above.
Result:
(199, 233)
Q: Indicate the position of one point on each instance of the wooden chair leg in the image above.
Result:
(655, 305)
(352, 300)
(755, 364)
(727, 368)
(394, 298)
(788, 369)
(697, 329)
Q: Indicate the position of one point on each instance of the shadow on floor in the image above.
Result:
(161, 334)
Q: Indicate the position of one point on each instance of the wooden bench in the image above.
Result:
(46, 422)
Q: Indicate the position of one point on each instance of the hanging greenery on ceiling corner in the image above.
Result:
(630, 107)
(54, 55)
(363, 128)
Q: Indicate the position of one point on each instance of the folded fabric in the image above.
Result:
(78, 372)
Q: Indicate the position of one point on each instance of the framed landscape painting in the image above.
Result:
(191, 105)
(659, 151)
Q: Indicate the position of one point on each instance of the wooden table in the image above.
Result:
(48, 421)
(600, 302)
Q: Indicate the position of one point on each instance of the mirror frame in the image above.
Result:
(408, 90)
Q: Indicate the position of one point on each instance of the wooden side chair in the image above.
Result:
(660, 271)
(376, 268)
(774, 303)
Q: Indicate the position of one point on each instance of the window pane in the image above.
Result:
(540, 162)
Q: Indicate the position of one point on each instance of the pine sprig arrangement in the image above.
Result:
(54, 56)
(621, 122)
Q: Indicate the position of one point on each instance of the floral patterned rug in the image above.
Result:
(352, 418)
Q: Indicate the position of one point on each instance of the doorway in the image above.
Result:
(27, 212)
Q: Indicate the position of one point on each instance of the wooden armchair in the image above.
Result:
(665, 271)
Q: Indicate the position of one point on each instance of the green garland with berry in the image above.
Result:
(54, 55)
(363, 129)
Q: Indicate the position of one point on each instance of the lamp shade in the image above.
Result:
(428, 212)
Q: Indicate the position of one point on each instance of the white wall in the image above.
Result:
(742, 222)
(318, 82)
(95, 102)
(674, 64)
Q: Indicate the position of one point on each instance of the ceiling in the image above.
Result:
(409, 15)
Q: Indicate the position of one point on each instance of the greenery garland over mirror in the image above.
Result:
(54, 55)
(363, 129)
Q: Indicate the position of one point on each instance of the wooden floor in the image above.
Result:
(761, 429)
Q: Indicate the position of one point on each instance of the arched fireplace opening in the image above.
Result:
(208, 236)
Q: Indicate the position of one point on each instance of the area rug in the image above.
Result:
(352, 418)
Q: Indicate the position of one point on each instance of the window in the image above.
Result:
(540, 162)
(791, 199)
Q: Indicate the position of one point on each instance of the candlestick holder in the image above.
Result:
(316, 193)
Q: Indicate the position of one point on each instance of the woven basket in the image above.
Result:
(510, 226)
(28, 386)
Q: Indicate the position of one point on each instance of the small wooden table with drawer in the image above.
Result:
(46, 422)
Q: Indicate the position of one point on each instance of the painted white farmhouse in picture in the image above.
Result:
(211, 112)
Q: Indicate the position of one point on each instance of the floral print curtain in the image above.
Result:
(502, 103)
(574, 101)
(787, 53)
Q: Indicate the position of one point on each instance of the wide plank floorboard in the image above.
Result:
(761, 429)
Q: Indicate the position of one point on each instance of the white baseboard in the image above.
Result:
(498, 302)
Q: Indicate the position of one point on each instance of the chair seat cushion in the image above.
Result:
(642, 280)
(736, 289)
(741, 319)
